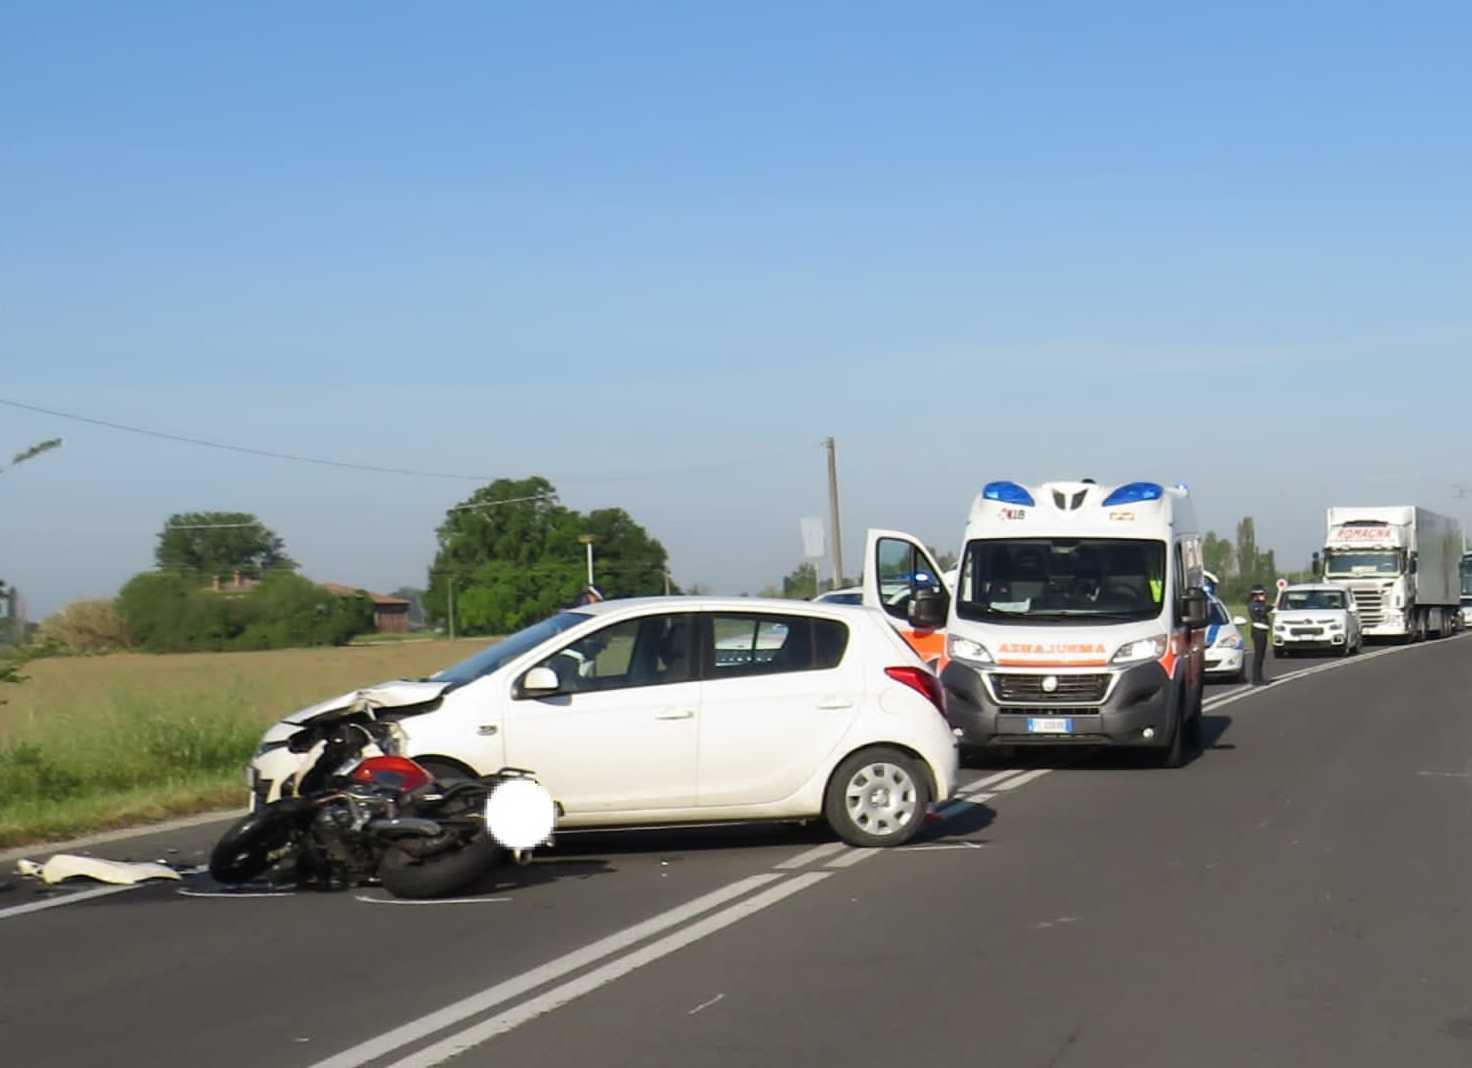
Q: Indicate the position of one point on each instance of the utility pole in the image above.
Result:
(829, 444)
(450, 582)
(587, 539)
(666, 582)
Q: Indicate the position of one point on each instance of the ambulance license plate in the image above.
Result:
(1049, 725)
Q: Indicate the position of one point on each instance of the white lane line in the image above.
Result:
(615, 969)
(66, 899)
(990, 780)
(1214, 698)
(854, 856)
(460, 1011)
(87, 895)
(430, 901)
(239, 895)
(1023, 779)
(705, 1004)
(938, 845)
(812, 856)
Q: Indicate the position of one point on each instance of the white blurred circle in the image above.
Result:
(520, 814)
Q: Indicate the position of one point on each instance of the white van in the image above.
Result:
(1079, 616)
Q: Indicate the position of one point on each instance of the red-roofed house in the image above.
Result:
(389, 613)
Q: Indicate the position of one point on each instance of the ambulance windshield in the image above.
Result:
(1036, 580)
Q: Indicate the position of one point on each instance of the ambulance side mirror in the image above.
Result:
(929, 608)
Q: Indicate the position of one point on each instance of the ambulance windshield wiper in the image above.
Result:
(1086, 613)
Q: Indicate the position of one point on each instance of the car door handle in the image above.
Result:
(487, 729)
(678, 713)
(833, 704)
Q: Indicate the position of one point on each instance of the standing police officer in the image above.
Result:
(1257, 612)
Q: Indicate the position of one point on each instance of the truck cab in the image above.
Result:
(1078, 616)
(1400, 566)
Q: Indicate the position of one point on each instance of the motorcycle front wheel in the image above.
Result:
(438, 874)
(246, 850)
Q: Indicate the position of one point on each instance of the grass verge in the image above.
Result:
(137, 761)
(99, 743)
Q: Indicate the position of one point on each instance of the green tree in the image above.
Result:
(208, 545)
(1216, 553)
(1248, 561)
(513, 552)
(801, 583)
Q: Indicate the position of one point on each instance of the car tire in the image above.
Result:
(877, 797)
(438, 874)
(1195, 731)
(1173, 755)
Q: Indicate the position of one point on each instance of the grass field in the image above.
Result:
(90, 743)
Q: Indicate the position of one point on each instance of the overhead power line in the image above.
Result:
(245, 449)
(348, 465)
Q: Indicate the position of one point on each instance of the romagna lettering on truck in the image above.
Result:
(1078, 616)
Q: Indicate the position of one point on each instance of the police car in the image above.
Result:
(1226, 651)
(1226, 648)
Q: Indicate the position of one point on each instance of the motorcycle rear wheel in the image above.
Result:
(438, 874)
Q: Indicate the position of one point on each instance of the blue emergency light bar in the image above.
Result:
(1134, 492)
(1007, 493)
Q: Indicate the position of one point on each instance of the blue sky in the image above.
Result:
(684, 243)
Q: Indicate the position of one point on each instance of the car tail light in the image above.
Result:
(921, 681)
(392, 773)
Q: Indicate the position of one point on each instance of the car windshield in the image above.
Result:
(1046, 579)
(1369, 563)
(1310, 600)
(1467, 576)
(1216, 614)
(497, 655)
(842, 598)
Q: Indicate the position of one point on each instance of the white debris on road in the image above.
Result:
(65, 866)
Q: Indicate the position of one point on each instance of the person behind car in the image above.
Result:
(1258, 612)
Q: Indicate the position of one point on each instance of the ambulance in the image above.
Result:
(1078, 618)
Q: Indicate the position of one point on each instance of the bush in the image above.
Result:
(170, 614)
(84, 627)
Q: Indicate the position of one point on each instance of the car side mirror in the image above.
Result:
(929, 608)
(539, 682)
(1239, 621)
(1193, 606)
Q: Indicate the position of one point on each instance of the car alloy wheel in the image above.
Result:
(881, 798)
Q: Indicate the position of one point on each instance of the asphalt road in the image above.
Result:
(1297, 895)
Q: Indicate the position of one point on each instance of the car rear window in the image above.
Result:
(738, 644)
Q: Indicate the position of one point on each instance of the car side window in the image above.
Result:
(648, 651)
(741, 644)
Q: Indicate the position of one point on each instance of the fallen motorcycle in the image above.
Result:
(361, 811)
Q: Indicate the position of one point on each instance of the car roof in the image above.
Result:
(1334, 586)
(677, 603)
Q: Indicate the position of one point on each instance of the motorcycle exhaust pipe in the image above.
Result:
(404, 827)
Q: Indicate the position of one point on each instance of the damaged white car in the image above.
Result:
(679, 710)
